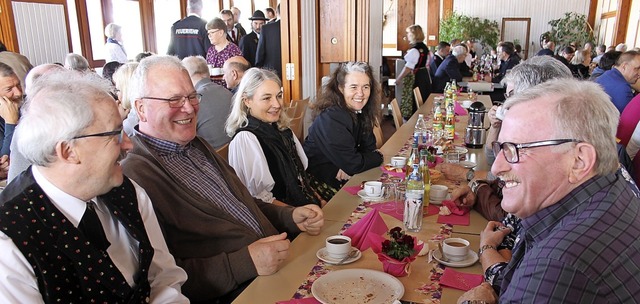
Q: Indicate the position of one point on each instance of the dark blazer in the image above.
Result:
(505, 66)
(189, 38)
(249, 46)
(434, 64)
(448, 69)
(67, 267)
(241, 30)
(269, 53)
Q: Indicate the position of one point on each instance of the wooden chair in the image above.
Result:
(301, 106)
(377, 132)
(418, 97)
(397, 115)
(224, 152)
(297, 126)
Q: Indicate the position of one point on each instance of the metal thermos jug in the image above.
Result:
(476, 131)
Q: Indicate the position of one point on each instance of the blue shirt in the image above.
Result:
(616, 87)
(583, 249)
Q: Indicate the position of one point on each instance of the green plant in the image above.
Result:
(400, 245)
(573, 27)
(459, 26)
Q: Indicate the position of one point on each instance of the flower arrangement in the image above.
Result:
(398, 252)
(400, 245)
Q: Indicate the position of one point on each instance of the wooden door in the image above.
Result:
(517, 30)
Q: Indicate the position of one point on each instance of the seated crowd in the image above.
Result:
(119, 189)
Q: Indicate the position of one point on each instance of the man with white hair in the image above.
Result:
(74, 229)
(215, 103)
(219, 233)
(578, 239)
(449, 68)
(189, 35)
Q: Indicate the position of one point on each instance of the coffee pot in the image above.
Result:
(476, 131)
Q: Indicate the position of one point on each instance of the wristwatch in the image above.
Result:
(473, 302)
(470, 175)
(485, 248)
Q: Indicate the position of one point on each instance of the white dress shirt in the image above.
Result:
(248, 160)
(18, 282)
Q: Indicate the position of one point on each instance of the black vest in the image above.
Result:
(291, 180)
(67, 268)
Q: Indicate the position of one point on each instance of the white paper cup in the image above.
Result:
(398, 161)
(338, 246)
(455, 249)
(438, 192)
(373, 188)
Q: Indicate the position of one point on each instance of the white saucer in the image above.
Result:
(462, 150)
(468, 164)
(472, 258)
(364, 196)
(323, 255)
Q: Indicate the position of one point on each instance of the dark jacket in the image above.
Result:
(448, 69)
(189, 38)
(249, 46)
(505, 66)
(269, 52)
(337, 141)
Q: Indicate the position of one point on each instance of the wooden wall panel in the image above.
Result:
(433, 23)
(406, 17)
(447, 6)
(624, 6)
(7, 26)
(337, 30)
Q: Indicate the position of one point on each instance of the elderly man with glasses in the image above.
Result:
(216, 230)
(578, 239)
(74, 229)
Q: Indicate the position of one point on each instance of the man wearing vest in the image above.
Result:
(74, 229)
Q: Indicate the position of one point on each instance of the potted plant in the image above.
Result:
(398, 252)
(458, 26)
(573, 27)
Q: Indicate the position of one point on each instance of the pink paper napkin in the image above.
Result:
(353, 190)
(455, 209)
(431, 210)
(393, 172)
(438, 161)
(459, 110)
(367, 231)
(461, 220)
(460, 280)
(310, 300)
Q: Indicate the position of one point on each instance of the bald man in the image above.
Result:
(233, 70)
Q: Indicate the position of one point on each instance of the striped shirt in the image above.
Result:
(583, 249)
(191, 166)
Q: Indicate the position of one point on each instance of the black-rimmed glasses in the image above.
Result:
(110, 133)
(178, 101)
(511, 150)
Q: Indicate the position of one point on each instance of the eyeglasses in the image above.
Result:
(211, 32)
(508, 94)
(110, 133)
(511, 150)
(178, 101)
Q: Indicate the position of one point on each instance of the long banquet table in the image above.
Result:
(302, 266)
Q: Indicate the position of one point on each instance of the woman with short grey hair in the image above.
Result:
(113, 49)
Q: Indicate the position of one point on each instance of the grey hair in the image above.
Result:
(122, 78)
(458, 50)
(534, 71)
(196, 65)
(251, 81)
(111, 30)
(37, 72)
(76, 62)
(194, 5)
(6, 70)
(58, 109)
(583, 111)
(137, 82)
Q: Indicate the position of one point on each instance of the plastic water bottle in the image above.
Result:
(420, 132)
(414, 200)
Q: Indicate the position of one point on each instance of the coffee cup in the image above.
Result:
(215, 71)
(466, 103)
(455, 249)
(398, 161)
(373, 188)
(500, 112)
(338, 246)
(438, 192)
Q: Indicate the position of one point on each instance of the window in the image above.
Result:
(166, 12)
(126, 13)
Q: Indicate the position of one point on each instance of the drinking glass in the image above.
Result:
(452, 157)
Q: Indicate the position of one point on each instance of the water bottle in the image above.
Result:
(420, 132)
(414, 200)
